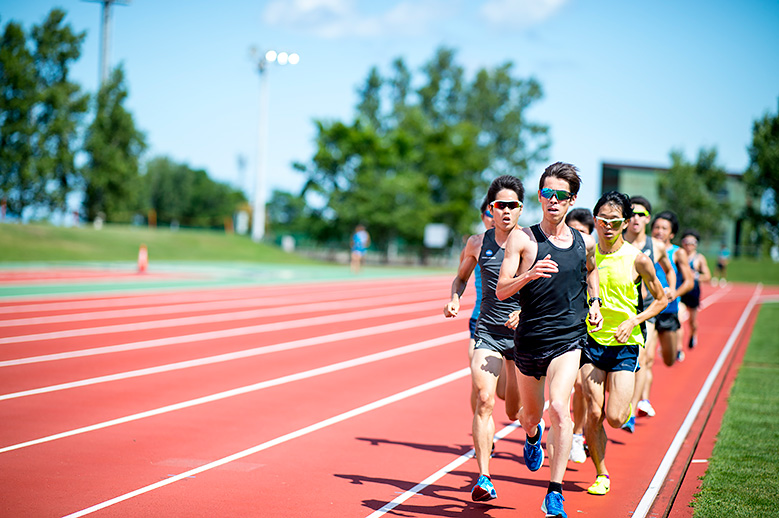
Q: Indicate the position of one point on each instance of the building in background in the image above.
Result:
(643, 180)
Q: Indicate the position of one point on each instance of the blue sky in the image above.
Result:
(623, 81)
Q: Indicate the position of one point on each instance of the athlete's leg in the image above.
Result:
(485, 369)
(501, 390)
(471, 345)
(562, 375)
(646, 360)
(578, 404)
(668, 346)
(594, 386)
(513, 401)
(621, 384)
(693, 319)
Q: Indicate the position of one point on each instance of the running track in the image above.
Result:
(327, 399)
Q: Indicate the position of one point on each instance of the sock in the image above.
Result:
(555, 487)
(533, 440)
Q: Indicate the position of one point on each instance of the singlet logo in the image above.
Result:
(488, 253)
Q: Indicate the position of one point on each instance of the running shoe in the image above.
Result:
(645, 409)
(601, 486)
(693, 342)
(483, 490)
(577, 449)
(553, 505)
(680, 355)
(630, 424)
(534, 453)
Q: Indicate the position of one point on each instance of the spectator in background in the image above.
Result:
(361, 240)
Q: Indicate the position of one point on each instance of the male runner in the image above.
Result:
(611, 356)
(552, 267)
(635, 234)
(494, 337)
(701, 274)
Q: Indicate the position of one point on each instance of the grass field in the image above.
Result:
(744, 469)
(47, 243)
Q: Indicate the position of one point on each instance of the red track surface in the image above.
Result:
(297, 451)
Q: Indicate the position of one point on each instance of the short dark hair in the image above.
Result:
(691, 232)
(583, 216)
(567, 172)
(616, 199)
(669, 216)
(485, 205)
(640, 200)
(506, 181)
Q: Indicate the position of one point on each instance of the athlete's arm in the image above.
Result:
(509, 282)
(683, 263)
(661, 252)
(646, 270)
(593, 284)
(469, 258)
(705, 275)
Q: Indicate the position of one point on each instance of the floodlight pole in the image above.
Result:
(105, 36)
(258, 208)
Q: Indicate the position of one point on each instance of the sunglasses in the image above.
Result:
(613, 223)
(547, 193)
(503, 205)
(640, 213)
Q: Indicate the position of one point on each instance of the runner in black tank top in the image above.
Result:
(555, 307)
(494, 313)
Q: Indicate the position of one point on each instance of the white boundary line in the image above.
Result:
(399, 351)
(247, 353)
(665, 466)
(225, 333)
(279, 440)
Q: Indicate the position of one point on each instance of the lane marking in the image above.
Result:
(206, 319)
(224, 333)
(280, 440)
(159, 308)
(665, 466)
(247, 353)
(407, 349)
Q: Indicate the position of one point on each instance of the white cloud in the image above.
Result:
(343, 18)
(519, 13)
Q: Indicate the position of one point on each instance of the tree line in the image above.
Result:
(57, 140)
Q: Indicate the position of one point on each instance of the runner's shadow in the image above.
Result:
(436, 448)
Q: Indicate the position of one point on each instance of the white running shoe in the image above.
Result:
(577, 449)
(644, 408)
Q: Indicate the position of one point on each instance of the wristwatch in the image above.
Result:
(593, 299)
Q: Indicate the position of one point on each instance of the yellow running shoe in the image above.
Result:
(601, 486)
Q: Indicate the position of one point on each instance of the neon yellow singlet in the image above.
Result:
(619, 293)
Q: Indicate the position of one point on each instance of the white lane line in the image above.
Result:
(665, 466)
(156, 308)
(256, 351)
(224, 333)
(399, 351)
(280, 440)
(207, 319)
(438, 474)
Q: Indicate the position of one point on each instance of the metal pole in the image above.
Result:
(106, 39)
(258, 218)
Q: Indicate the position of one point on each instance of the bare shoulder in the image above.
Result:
(473, 245)
(589, 241)
(659, 247)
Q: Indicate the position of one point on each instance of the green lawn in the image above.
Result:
(743, 475)
(47, 243)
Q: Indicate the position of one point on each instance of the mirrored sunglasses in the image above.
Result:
(503, 205)
(613, 223)
(547, 193)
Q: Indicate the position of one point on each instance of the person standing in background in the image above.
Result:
(361, 240)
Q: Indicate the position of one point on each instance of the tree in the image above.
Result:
(113, 147)
(697, 193)
(410, 158)
(762, 177)
(40, 114)
(187, 196)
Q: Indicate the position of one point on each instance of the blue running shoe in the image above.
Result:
(534, 453)
(553, 505)
(483, 490)
(630, 425)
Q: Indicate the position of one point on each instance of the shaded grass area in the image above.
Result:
(750, 270)
(744, 468)
(47, 243)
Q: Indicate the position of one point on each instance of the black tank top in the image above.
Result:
(554, 309)
(493, 312)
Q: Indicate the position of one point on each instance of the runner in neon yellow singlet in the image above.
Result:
(611, 355)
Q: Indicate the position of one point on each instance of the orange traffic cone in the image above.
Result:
(143, 259)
